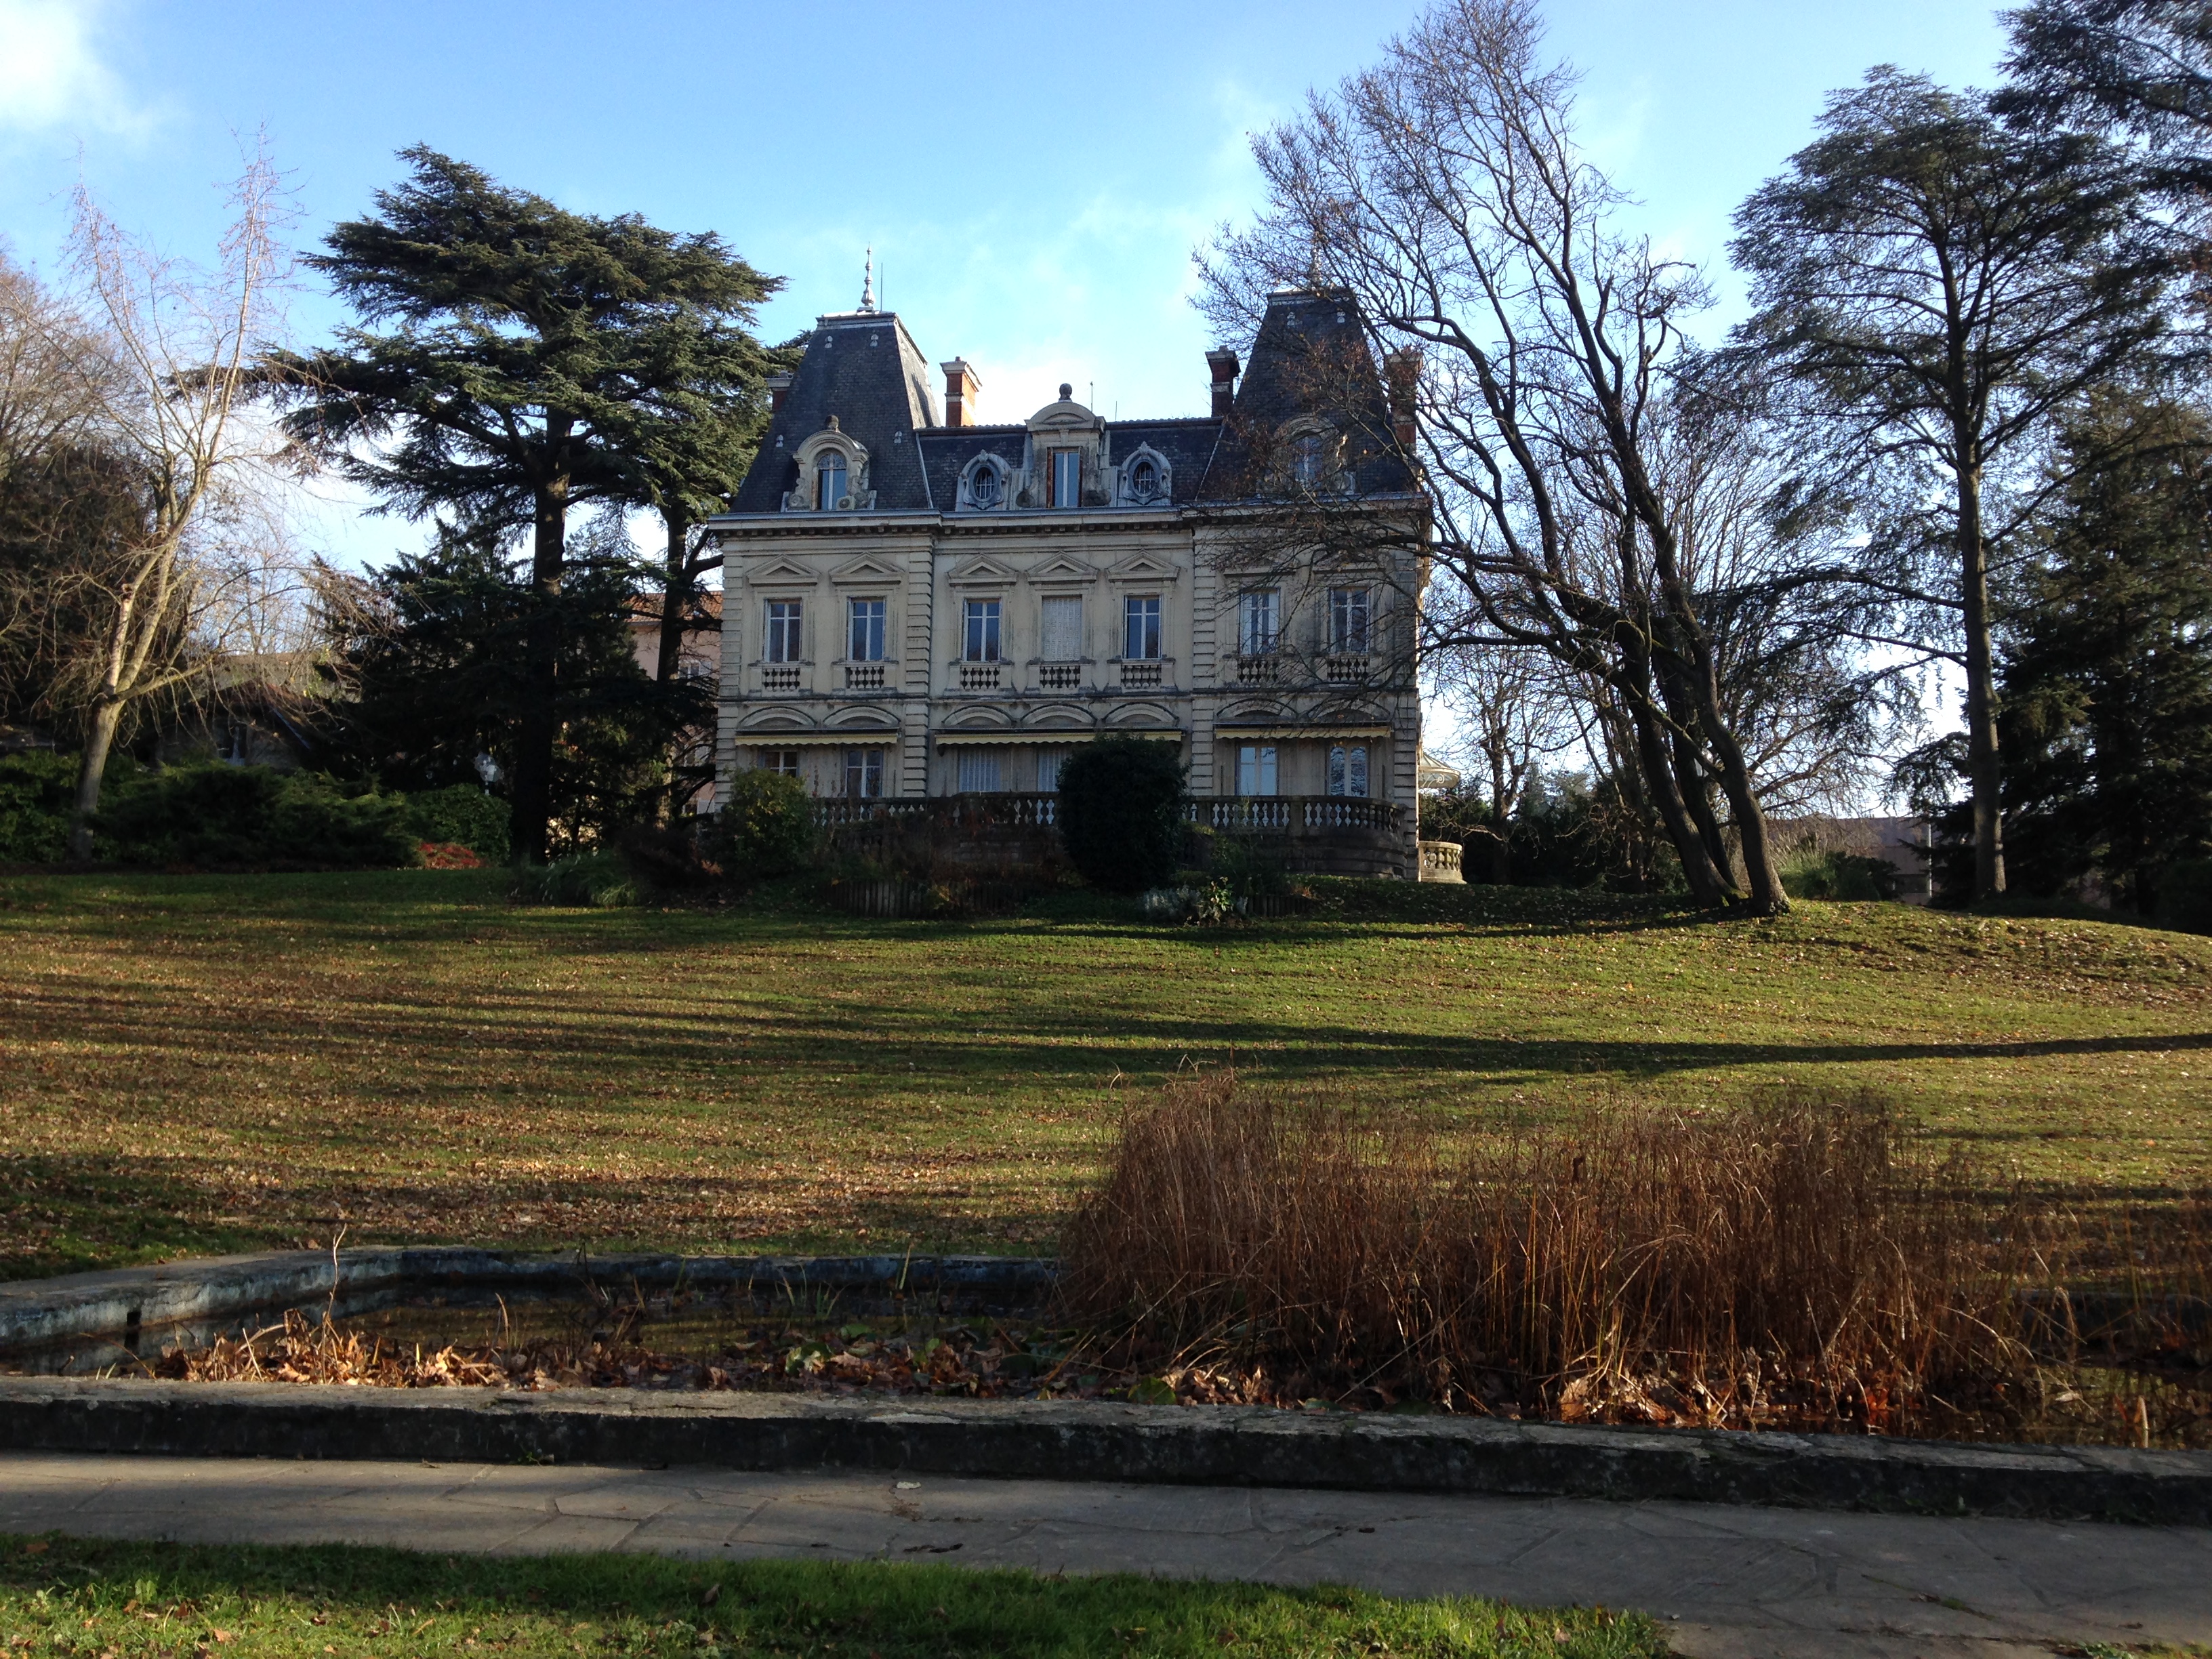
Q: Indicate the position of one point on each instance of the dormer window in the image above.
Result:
(1066, 477)
(829, 482)
(1308, 457)
(1144, 480)
(985, 487)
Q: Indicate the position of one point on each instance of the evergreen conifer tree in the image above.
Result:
(506, 371)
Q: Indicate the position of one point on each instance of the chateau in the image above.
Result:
(918, 604)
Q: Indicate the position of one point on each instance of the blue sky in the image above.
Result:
(1033, 178)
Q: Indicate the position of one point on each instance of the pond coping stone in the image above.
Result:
(1098, 1440)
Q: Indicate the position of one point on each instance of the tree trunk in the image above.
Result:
(1709, 882)
(675, 591)
(1983, 776)
(98, 741)
(530, 804)
(1501, 807)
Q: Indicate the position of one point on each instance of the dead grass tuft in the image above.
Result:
(1797, 1262)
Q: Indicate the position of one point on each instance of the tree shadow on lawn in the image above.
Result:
(648, 1040)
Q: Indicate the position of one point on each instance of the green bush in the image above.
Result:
(1121, 812)
(461, 815)
(764, 826)
(37, 789)
(597, 881)
(1843, 876)
(228, 817)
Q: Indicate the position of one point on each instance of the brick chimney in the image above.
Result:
(1224, 365)
(1402, 370)
(961, 387)
(779, 388)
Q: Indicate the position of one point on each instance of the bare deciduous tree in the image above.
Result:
(195, 572)
(1517, 712)
(1442, 191)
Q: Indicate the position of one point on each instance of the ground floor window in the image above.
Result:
(978, 772)
(783, 761)
(1348, 771)
(1049, 761)
(1256, 769)
(864, 774)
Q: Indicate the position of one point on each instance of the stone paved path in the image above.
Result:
(1734, 1584)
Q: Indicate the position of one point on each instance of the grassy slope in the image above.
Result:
(61, 1595)
(190, 1063)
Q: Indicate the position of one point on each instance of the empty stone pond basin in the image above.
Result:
(2125, 1374)
(416, 1317)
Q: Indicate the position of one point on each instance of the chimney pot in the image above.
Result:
(960, 387)
(779, 388)
(1223, 366)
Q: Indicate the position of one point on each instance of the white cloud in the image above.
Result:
(53, 77)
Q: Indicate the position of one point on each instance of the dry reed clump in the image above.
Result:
(1794, 1262)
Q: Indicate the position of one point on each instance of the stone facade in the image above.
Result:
(915, 607)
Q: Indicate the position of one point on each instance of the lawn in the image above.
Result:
(191, 1064)
(61, 1595)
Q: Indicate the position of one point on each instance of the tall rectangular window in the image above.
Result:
(783, 641)
(1350, 611)
(1256, 769)
(978, 772)
(864, 774)
(1067, 478)
(1062, 616)
(982, 642)
(1258, 621)
(1140, 633)
(1348, 771)
(1049, 761)
(866, 644)
(829, 484)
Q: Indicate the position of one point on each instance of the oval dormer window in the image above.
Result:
(829, 482)
(983, 488)
(1144, 481)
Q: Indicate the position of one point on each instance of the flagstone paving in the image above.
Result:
(1733, 1584)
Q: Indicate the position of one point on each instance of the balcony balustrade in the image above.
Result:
(978, 675)
(1259, 671)
(780, 678)
(864, 677)
(1060, 676)
(1345, 669)
(1440, 861)
(1293, 814)
(1141, 675)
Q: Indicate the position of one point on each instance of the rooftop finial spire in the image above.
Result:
(868, 282)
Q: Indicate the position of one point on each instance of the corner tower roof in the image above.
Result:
(863, 367)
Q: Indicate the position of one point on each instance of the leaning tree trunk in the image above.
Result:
(530, 809)
(98, 744)
(1709, 882)
(1983, 775)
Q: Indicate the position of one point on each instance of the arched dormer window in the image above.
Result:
(832, 475)
(1312, 457)
(983, 486)
(1145, 479)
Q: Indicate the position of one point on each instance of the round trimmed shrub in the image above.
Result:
(763, 826)
(1121, 812)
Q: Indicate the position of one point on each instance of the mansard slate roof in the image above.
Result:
(864, 368)
(1311, 355)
